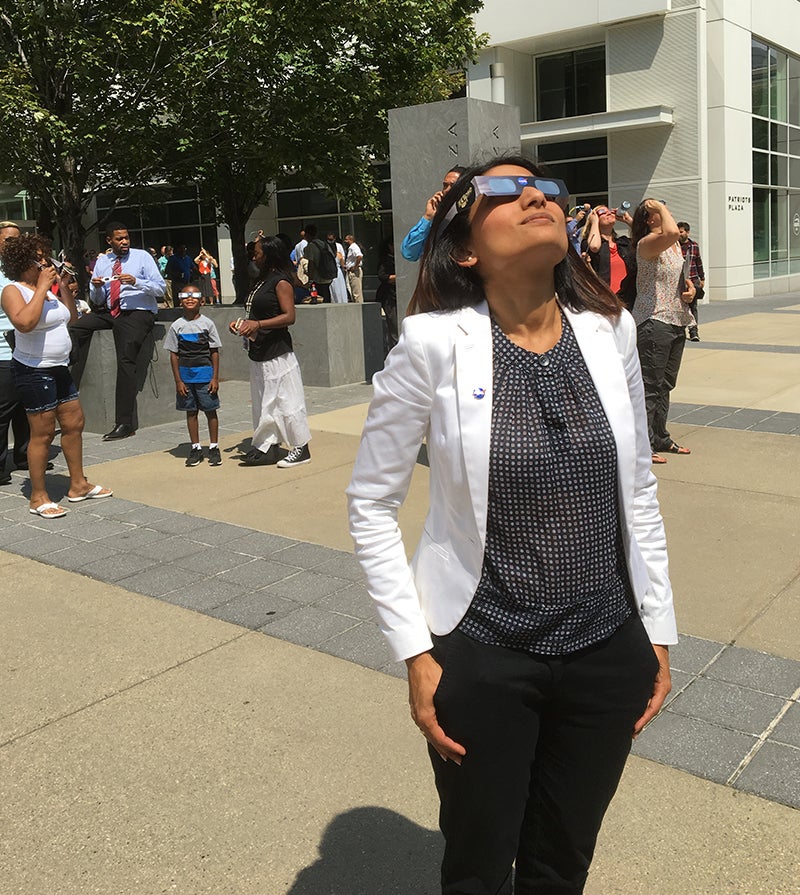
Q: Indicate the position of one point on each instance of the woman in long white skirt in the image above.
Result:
(276, 386)
(339, 294)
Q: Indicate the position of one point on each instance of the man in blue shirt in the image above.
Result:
(125, 290)
(12, 413)
(412, 246)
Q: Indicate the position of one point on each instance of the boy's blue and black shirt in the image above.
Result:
(192, 341)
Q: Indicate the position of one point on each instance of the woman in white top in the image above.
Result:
(40, 358)
(339, 285)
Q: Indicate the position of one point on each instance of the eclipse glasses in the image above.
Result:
(505, 186)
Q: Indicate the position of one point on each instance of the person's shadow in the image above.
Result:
(370, 850)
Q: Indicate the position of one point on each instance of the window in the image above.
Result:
(581, 164)
(569, 84)
(776, 161)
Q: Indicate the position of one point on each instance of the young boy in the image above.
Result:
(193, 343)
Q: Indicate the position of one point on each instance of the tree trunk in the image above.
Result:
(237, 206)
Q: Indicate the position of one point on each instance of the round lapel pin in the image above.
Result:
(478, 393)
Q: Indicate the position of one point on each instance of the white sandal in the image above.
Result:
(43, 508)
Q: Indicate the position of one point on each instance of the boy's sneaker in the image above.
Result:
(214, 456)
(296, 457)
(195, 457)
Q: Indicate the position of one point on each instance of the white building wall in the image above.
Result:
(657, 61)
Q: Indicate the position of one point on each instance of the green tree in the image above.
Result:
(82, 86)
(305, 87)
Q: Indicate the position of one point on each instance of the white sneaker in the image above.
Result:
(296, 457)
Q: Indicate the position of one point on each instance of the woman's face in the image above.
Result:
(654, 220)
(258, 253)
(504, 231)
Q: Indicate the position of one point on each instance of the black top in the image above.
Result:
(601, 264)
(554, 578)
(263, 304)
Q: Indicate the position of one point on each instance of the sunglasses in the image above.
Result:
(189, 295)
(505, 186)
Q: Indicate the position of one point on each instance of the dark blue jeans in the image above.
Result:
(547, 739)
(660, 352)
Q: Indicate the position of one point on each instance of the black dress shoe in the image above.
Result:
(5, 480)
(121, 430)
(24, 465)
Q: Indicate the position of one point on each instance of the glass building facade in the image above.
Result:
(776, 161)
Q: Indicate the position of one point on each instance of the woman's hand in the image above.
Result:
(661, 687)
(424, 674)
(687, 297)
(248, 328)
(653, 205)
(47, 276)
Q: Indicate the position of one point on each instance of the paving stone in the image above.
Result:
(211, 560)
(98, 530)
(120, 565)
(676, 411)
(706, 750)
(680, 680)
(159, 580)
(773, 773)
(40, 544)
(345, 565)
(692, 654)
(363, 644)
(741, 419)
(779, 427)
(136, 537)
(788, 728)
(306, 556)
(77, 555)
(758, 671)
(15, 533)
(180, 523)
(310, 626)
(258, 573)
(168, 549)
(728, 705)
(353, 601)
(221, 533)
(254, 610)
(308, 587)
(259, 544)
(395, 669)
(707, 414)
(206, 594)
(146, 516)
(117, 507)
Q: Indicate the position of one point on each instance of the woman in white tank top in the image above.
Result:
(41, 354)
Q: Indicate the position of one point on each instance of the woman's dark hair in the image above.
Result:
(21, 252)
(276, 256)
(640, 227)
(444, 285)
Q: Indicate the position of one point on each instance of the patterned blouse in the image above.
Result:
(658, 293)
(554, 577)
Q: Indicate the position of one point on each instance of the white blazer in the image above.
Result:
(437, 385)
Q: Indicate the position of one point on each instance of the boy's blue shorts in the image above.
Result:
(197, 398)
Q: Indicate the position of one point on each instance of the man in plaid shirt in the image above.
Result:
(697, 275)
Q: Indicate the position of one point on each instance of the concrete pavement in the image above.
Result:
(165, 726)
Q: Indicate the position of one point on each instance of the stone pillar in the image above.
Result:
(424, 143)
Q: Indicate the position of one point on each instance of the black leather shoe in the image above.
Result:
(5, 480)
(121, 430)
(264, 458)
(24, 465)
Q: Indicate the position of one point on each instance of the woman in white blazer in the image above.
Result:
(536, 614)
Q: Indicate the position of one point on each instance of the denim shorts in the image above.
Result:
(43, 388)
(197, 398)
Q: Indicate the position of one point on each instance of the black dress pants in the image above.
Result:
(547, 739)
(131, 330)
(12, 416)
(660, 348)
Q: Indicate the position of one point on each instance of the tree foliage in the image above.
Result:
(233, 93)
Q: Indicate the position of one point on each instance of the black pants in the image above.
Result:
(131, 330)
(660, 351)
(13, 416)
(699, 293)
(324, 291)
(546, 740)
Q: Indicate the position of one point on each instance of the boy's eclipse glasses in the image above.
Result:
(505, 186)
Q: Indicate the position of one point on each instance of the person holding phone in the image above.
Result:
(41, 352)
(612, 257)
(662, 312)
(414, 242)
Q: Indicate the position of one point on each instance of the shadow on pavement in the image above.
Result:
(369, 850)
